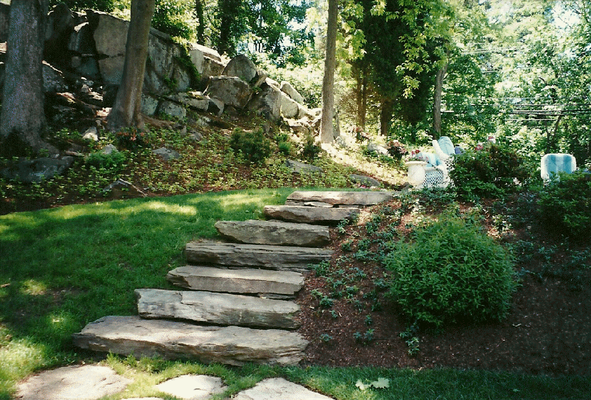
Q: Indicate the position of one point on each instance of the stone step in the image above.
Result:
(274, 233)
(282, 258)
(232, 345)
(245, 280)
(217, 308)
(310, 215)
(337, 199)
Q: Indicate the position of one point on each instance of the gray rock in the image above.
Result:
(194, 100)
(53, 80)
(310, 215)
(244, 280)
(192, 387)
(267, 103)
(300, 167)
(365, 180)
(172, 109)
(203, 58)
(81, 40)
(91, 134)
(289, 107)
(365, 198)
(217, 308)
(37, 170)
(287, 258)
(178, 340)
(288, 89)
(149, 104)
(110, 33)
(167, 154)
(377, 149)
(109, 149)
(242, 67)
(111, 69)
(230, 90)
(279, 389)
(274, 233)
(86, 382)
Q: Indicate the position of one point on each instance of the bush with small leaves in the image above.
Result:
(565, 204)
(492, 172)
(451, 272)
(253, 146)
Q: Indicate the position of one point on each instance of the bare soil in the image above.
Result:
(548, 330)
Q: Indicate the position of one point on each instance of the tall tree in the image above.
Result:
(127, 108)
(326, 125)
(22, 120)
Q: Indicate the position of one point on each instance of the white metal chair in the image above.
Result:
(552, 164)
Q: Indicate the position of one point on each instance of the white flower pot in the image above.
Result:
(416, 172)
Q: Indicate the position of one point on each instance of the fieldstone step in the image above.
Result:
(282, 258)
(310, 215)
(245, 280)
(336, 198)
(274, 233)
(217, 308)
(230, 345)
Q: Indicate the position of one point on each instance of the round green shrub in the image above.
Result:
(492, 172)
(565, 204)
(254, 146)
(451, 273)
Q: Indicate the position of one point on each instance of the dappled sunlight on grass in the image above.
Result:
(32, 287)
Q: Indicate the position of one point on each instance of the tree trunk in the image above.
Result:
(127, 108)
(22, 120)
(326, 130)
(386, 116)
(200, 22)
(437, 101)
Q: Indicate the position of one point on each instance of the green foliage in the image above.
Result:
(310, 150)
(100, 5)
(565, 204)
(254, 146)
(170, 16)
(112, 162)
(492, 172)
(131, 139)
(451, 272)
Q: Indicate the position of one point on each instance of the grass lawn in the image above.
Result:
(64, 267)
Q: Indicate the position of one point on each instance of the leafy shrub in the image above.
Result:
(253, 146)
(452, 272)
(113, 162)
(131, 139)
(492, 172)
(310, 150)
(565, 203)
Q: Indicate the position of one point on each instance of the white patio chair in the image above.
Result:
(552, 164)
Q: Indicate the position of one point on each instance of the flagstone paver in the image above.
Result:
(81, 382)
(279, 389)
(192, 387)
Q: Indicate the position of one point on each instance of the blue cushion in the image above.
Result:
(446, 145)
(431, 158)
(555, 163)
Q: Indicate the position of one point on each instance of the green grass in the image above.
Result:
(64, 267)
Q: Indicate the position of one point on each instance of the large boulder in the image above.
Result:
(207, 61)
(231, 90)
(267, 103)
(289, 90)
(242, 67)
(289, 107)
(29, 171)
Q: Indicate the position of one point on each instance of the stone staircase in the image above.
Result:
(238, 306)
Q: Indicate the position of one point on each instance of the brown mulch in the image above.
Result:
(548, 330)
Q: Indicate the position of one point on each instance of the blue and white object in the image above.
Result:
(552, 164)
